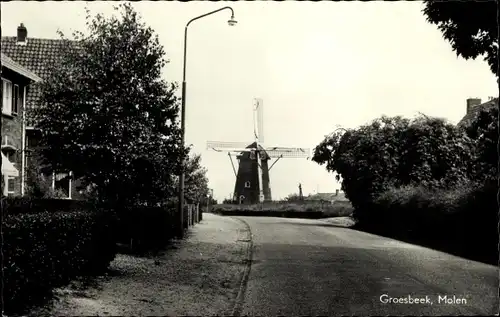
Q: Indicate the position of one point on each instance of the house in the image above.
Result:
(36, 54)
(474, 106)
(328, 197)
(16, 81)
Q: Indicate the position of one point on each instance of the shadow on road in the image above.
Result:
(324, 224)
(449, 247)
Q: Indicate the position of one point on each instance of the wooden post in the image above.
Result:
(198, 213)
(191, 216)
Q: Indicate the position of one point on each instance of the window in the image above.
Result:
(11, 155)
(11, 185)
(16, 100)
(62, 183)
(247, 184)
(252, 155)
(6, 96)
(242, 198)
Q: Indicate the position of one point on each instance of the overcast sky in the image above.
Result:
(315, 65)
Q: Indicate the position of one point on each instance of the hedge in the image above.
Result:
(463, 220)
(44, 249)
(270, 213)
(148, 228)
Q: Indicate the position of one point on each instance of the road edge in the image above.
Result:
(238, 303)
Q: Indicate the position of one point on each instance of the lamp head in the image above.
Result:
(232, 21)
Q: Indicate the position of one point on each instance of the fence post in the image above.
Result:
(198, 213)
(190, 214)
(192, 211)
(195, 214)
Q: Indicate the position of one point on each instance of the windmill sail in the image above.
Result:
(222, 145)
(258, 120)
(288, 152)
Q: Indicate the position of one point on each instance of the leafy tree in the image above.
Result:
(293, 198)
(393, 152)
(195, 181)
(107, 114)
(228, 201)
(484, 131)
(470, 26)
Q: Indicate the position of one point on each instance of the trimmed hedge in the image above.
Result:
(44, 249)
(462, 221)
(270, 213)
(148, 228)
(310, 210)
(335, 209)
(16, 205)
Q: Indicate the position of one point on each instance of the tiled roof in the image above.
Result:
(16, 67)
(37, 55)
(475, 110)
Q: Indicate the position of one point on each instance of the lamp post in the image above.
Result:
(231, 22)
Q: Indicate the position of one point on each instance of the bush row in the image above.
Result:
(462, 220)
(48, 242)
(336, 209)
(269, 213)
(43, 250)
(146, 228)
(21, 205)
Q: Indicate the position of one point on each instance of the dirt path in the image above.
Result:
(201, 276)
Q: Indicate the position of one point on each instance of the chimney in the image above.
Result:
(336, 192)
(22, 34)
(471, 103)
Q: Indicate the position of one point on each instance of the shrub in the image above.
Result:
(395, 152)
(149, 228)
(457, 220)
(44, 249)
(317, 209)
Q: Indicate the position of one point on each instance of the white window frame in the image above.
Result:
(13, 191)
(70, 173)
(247, 184)
(16, 100)
(7, 102)
(242, 197)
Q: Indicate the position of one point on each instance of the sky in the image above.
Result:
(316, 66)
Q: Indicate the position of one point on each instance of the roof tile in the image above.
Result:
(37, 55)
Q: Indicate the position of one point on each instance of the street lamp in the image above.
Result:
(231, 22)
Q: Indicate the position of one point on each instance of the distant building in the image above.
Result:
(16, 81)
(37, 55)
(474, 106)
(327, 197)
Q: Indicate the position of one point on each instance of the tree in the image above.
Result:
(470, 26)
(196, 181)
(393, 152)
(107, 114)
(293, 198)
(484, 131)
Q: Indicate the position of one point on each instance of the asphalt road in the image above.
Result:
(308, 267)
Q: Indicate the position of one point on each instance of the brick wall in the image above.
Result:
(12, 129)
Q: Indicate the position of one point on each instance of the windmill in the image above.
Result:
(252, 179)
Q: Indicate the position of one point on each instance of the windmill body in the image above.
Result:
(252, 178)
(247, 186)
